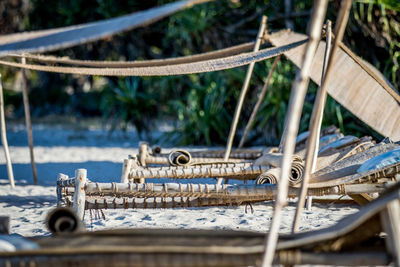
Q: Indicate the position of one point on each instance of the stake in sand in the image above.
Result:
(79, 197)
(28, 122)
(4, 137)
(319, 108)
(314, 134)
(259, 102)
(299, 90)
(315, 129)
(243, 93)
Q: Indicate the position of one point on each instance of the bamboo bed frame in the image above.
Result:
(197, 165)
(355, 240)
(340, 178)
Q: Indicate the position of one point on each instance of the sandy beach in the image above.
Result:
(61, 149)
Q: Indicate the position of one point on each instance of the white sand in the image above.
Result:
(59, 150)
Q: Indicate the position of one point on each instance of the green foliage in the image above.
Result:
(379, 20)
(13, 101)
(202, 113)
(271, 116)
(386, 4)
(127, 102)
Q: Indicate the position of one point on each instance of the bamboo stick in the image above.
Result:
(28, 122)
(390, 218)
(258, 103)
(143, 153)
(222, 165)
(299, 90)
(244, 171)
(198, 157)
(314, 133)
(235, 153)
(163, 160)
(164, 202)
(324, 94)
(235, 195)
(126, 167)
(68, 182)
(79, 195)
(320, 104)
(4, 137)
(243, 93)
(151, 190)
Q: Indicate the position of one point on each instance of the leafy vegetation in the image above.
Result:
(200, 107)
(128, 102)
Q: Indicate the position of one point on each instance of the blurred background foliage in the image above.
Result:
(198, 107)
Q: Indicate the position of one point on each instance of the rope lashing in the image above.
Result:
(178, 69)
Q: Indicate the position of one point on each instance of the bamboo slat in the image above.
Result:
(335, 155)
(345, 170)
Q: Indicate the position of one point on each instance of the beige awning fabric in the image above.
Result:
(59, 38)
(355, 84)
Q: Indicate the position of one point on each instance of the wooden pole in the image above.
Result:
(126, 168)
(299, 90)
(258, 104)
(288, 10)
(243, 93)
(320, 104)
(79, 195)
(4, 137)
(4, 225)
(28, 122)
